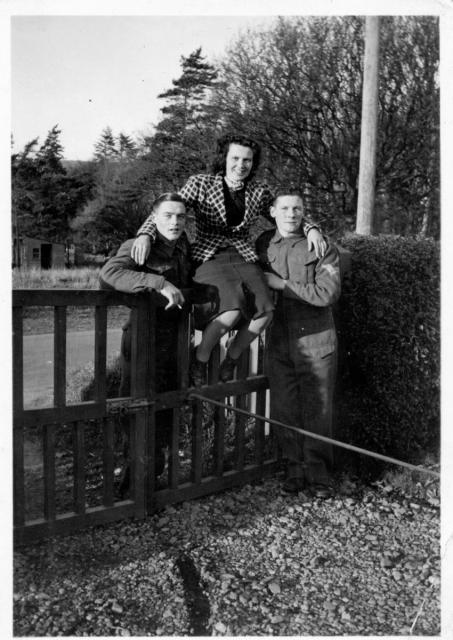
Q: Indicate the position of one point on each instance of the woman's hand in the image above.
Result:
(140, 249)
(274, 282)
(317, 242)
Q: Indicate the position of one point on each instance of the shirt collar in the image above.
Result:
(277, 237)
(220, 180)
(170, 247)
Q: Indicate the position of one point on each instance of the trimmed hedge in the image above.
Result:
(388, 319)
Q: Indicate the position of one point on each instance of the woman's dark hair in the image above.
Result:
(169, 196)
(287, 191)
(223, 144)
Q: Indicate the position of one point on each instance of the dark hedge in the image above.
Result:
(388, 320)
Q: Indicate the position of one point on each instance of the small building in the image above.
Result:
(41, 254)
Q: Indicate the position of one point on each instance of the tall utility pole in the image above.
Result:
(367, 169)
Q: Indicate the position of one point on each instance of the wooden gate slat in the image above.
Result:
(142, 385)
(49, 471)
(59, 356)
(183, 350)
(100, 353)
(18, 361)
(260, 403)
(18, 476)
(218, 414)
(108, 427)
(79, 467)
(173, 468)
(260, 426)
(219, 440)
(241, 403)
(18, 427)
(149, 431)
(197, 433)
(140, 473)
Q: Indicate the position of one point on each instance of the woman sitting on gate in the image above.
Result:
(226, 203)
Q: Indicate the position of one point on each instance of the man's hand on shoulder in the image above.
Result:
(316, 242)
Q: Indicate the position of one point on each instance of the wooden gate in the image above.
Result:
(210, 451)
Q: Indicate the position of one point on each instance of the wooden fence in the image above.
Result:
(210, 451)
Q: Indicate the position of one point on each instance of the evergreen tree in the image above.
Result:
(186, 99)
(119, 206)
(24, 181)
(50, 155)
(183, 138)
(44, 197)
(105, 147)
(127, 149)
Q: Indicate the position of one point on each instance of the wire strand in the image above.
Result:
(309, 434)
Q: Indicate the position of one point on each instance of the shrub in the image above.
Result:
(82, 383)
(388, 318)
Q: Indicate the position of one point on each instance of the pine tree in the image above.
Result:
(180, 144)
(189, 91)
(50, 154)
(24, 180)
(127, 149)
(44, 197)
(105, 148)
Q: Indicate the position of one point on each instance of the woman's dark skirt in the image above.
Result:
(238, 285)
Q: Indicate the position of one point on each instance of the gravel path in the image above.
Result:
(246, 562)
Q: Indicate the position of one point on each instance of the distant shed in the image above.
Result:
(34, 252)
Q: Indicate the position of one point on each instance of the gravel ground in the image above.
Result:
(246, 562)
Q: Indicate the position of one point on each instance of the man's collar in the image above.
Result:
(277, 237)
(180, 244)
(166, 241)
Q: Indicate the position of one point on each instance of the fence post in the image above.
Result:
(18, 428)
(143, 386)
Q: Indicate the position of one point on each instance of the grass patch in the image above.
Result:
(38, 320)
(80, 278)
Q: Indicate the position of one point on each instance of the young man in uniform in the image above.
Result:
(301, 343)
(167, 271)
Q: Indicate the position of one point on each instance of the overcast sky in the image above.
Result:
(86, 72)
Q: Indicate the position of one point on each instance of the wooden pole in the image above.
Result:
(367, 169)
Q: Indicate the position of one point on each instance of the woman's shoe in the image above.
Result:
(227, 368)
(198, 372)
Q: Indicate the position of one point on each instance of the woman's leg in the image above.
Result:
(247, 334)
(214, 331)
(241, 341)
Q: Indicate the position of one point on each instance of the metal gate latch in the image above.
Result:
(124, 406)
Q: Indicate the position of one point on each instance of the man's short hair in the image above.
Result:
(169, 196)
(287, 191)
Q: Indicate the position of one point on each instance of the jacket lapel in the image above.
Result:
(217, 197)
(251, 200)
